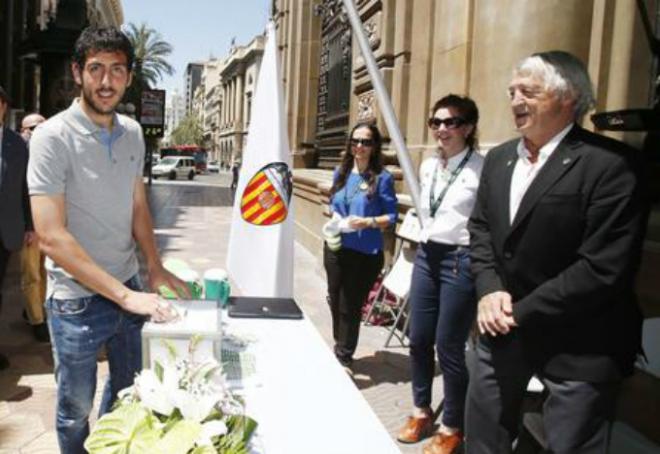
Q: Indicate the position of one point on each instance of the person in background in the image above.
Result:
(556, 236)
(363, 195)
(15, 218)
(33, 271)
(90, 208)
(442, 297)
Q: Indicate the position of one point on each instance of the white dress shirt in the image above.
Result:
(449, 225)
(525, 171)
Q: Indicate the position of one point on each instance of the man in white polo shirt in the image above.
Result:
(90, 208)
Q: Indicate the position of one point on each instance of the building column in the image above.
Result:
(223, 110)
(239, 102)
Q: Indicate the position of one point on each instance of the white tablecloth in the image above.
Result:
(304, 401)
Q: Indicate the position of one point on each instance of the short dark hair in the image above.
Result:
(468, 111)
(4, 97)
(104, 39)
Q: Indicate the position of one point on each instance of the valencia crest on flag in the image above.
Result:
(266, 197)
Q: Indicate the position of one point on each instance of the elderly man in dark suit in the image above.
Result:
(15, 217)
(556, 237)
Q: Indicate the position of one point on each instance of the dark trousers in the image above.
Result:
(4, 261)
(351, 274)
(442, 310)
(577, 416)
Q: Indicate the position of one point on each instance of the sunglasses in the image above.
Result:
(363, 142)
(450, 123)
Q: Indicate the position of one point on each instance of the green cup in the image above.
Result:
(216, 285)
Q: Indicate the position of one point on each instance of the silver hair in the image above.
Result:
(562, 73)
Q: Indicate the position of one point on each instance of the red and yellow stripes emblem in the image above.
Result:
(262, 204)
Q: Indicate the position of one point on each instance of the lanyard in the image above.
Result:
(360, 186)
(435, 204)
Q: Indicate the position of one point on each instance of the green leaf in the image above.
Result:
(204, 450)
(244, 426)
(158, 370)
(194, 341)
(180, 438)
(130, 428)
(171, 349)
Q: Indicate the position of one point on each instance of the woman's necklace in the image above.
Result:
(361, 186)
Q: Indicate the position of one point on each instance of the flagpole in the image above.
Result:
(385, 103)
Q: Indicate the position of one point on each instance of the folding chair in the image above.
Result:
(397, 280)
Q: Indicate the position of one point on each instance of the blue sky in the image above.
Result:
(198, 28)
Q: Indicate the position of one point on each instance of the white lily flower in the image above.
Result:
(152, 393)
(192, 406)
(210, 429)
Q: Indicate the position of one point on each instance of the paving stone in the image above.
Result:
(46, 443)
(18, 429)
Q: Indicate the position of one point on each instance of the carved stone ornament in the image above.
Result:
(365, 109)
(371, 28)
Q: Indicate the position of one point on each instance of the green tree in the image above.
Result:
(188, 132)
(151, 53)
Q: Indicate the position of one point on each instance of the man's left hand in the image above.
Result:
(160, 276)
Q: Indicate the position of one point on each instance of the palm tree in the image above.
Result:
(151, 53)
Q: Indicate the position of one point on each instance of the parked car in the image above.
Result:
(173, 167)
(213, 167)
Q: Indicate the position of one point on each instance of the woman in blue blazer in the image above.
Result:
(362, 194)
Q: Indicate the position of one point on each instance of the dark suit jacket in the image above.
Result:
(569, 257)
(15, 215)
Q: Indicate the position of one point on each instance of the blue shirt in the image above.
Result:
(351, 199)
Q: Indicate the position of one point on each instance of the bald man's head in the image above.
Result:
(28, 124)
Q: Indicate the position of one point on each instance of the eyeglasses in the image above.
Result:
(363, 142)
(450, 123)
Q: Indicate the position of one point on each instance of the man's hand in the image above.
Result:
(160, 311)
(494, 314)
(29, 238)
(159, 276)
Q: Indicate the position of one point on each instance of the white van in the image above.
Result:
(173, 167)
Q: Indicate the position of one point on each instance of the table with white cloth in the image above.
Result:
(305, 402)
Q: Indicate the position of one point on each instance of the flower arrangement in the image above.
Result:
(181, 407)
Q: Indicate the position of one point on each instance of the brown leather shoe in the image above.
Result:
(415, 429)
(443, 444)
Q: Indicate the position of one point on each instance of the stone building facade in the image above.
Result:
(426, 49)
(36, 43)
(193, 78)
(238, 78)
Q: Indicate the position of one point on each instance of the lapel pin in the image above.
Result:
(509, 162)
(566, 161)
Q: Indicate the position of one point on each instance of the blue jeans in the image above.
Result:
(442, 310)
(79, 328)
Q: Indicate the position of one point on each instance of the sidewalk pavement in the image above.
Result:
(192, 222)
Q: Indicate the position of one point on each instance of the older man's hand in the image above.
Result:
(495, 314)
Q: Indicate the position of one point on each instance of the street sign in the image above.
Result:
(152, 113)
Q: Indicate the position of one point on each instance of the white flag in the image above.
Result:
(260, 253)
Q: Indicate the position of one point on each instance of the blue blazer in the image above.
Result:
(352, 200)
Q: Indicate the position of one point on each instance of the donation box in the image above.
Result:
(197, 318)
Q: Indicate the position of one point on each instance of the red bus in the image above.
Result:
(198, 153)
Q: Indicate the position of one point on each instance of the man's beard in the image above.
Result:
(88, 96)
